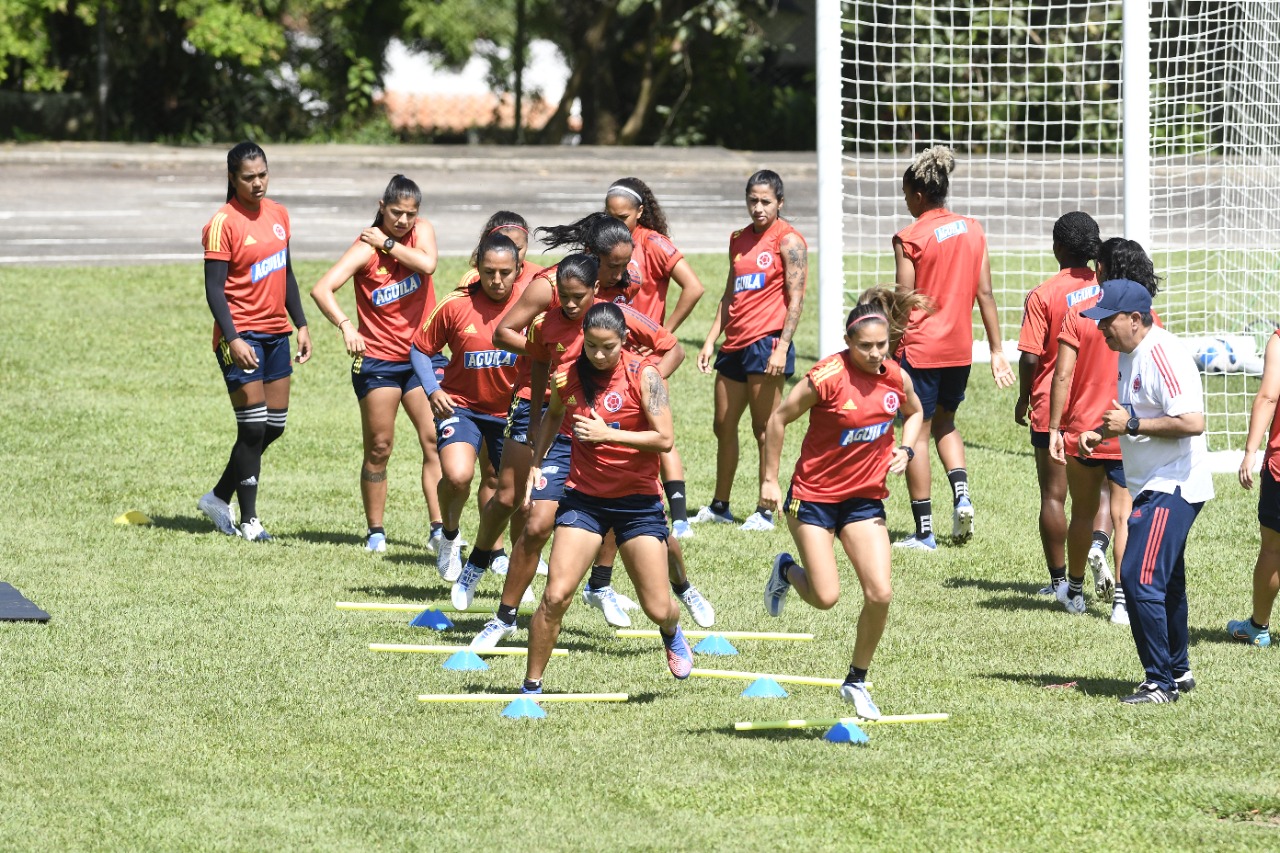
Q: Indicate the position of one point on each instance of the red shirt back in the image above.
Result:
(760, 299)
(606, 470)
(1271, 456)
(1043, 312)
(255, 245)
(1093, 381)
(946, 250)
(846, 451)
(652, 262)
(391, 301)
(479, 376)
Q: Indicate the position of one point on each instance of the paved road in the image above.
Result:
(122, 204)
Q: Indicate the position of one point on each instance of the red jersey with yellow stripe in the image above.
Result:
(255, 245)
(760, 298)
(604, 469)
(1271, 456)
(652, 261)
(846, 451)
(947, 251)
(391, 301)
(479, 376)
(1043, 312)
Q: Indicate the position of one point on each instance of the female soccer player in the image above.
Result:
(943, 256)
(250, 287)
(1076, 243)
(839, 485)
(555, 339)
(1084, 385)
(759, 312)
(1256, 629)
(471, 401)
(392, 262)
(617, 405)
(655, 263)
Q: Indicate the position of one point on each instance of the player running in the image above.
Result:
(758, 314)
(250, 287)
(391, 262)
(616, 404)
(943, 256)
(839, 484)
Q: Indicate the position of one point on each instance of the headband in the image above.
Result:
(505, 227)
(620, 188)
(857, 320)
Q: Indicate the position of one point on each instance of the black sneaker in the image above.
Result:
(1185, 682)
(1150, 693)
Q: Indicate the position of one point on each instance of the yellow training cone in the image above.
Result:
(133, 517)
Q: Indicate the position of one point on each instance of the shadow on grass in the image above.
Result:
(425, 594)
(1037, 603)
(1196, 636)
(1003, 451)
(814, 733)
(183, 524)
(993, 585)
(328, 537)
(1116, 687)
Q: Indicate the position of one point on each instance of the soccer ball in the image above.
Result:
(1216, 355)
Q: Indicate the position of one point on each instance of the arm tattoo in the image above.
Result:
(373, 476)
(657, 392)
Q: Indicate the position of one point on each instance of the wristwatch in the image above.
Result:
(911, 453)
(1131, 426)
(388, 244)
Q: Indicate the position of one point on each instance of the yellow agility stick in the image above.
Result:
(752, 676)
(728, 635)
(417, 607)
(448, 650)
(888, 719)
(511, 697)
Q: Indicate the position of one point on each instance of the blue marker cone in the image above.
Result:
(524, 707)
(433, 619)
(714, 644)
(764, 688)
(845, 733)
(465, 661)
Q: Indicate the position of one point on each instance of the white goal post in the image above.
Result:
(1160, 118)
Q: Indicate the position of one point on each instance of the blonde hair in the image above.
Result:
(928, 173)
(897, 306)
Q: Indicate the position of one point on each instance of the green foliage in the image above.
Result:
(25, 45)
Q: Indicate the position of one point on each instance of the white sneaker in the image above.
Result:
(499, 565)
(857, 696)
(962, 522)
(682, 529)
(606, 601)
(377, 543)
(543, 568)
(526, 597)
(1104, 585)
(493, 632)
(915, 543)
(252, 531)
(219, 512)
(449, 558)
(433, 542)
(464, 589)
(1119, 614)
(624, 602)
(1074, 604)
(756, 521)
(705, 514)
(699, 608)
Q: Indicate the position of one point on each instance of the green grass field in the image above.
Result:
(198, 692)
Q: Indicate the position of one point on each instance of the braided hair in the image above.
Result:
(1076, 234)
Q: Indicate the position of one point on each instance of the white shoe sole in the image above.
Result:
(1104, 585)
(962, 524)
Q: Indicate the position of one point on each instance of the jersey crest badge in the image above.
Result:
(764, 260)
(278, 230)
(612, 401)
(891, 401)
(249, 241)
(849, 406)
(1137, 383)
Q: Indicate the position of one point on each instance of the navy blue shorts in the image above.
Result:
(740, 364)
(555, 470)
(628, 517)
(274, 361)
(1268, 501)
(832, 516)
(1113, 467)
(466, 425)
(938, 386)
(1040, 439)
(369, 373)
(518, 420)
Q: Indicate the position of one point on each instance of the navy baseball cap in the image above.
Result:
(1120, 296)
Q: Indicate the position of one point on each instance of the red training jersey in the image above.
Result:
(846, 451)
(947, 251)
(760, 299)
(1042, 316)
(1271, 457)
(391, 301)
(478, 376)
(652, 261)
(527, 274)
(603, 469)
(255, 245)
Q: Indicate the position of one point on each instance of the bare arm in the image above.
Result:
(657, 409)
(913, 419)
(422, 258)
(1185, 425)
(1059, 391)
(1264, 409)
(691, 291)
(510, 334)
(717, 326)
(548, 428)
(1026, 372)
(1000, 369)
(795, 268)
(904, 271)
(802, 398)
(325, 289)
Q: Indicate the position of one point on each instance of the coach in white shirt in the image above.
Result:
(1159, 417)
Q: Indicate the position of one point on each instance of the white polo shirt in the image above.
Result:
(1160, 379)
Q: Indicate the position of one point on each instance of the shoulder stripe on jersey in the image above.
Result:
(1166, 371)
(561, 378)
(453, 295)
(823, 372)
(632, 314)
(215, 232)
(534, 329)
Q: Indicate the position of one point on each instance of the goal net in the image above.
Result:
(1029, 94)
